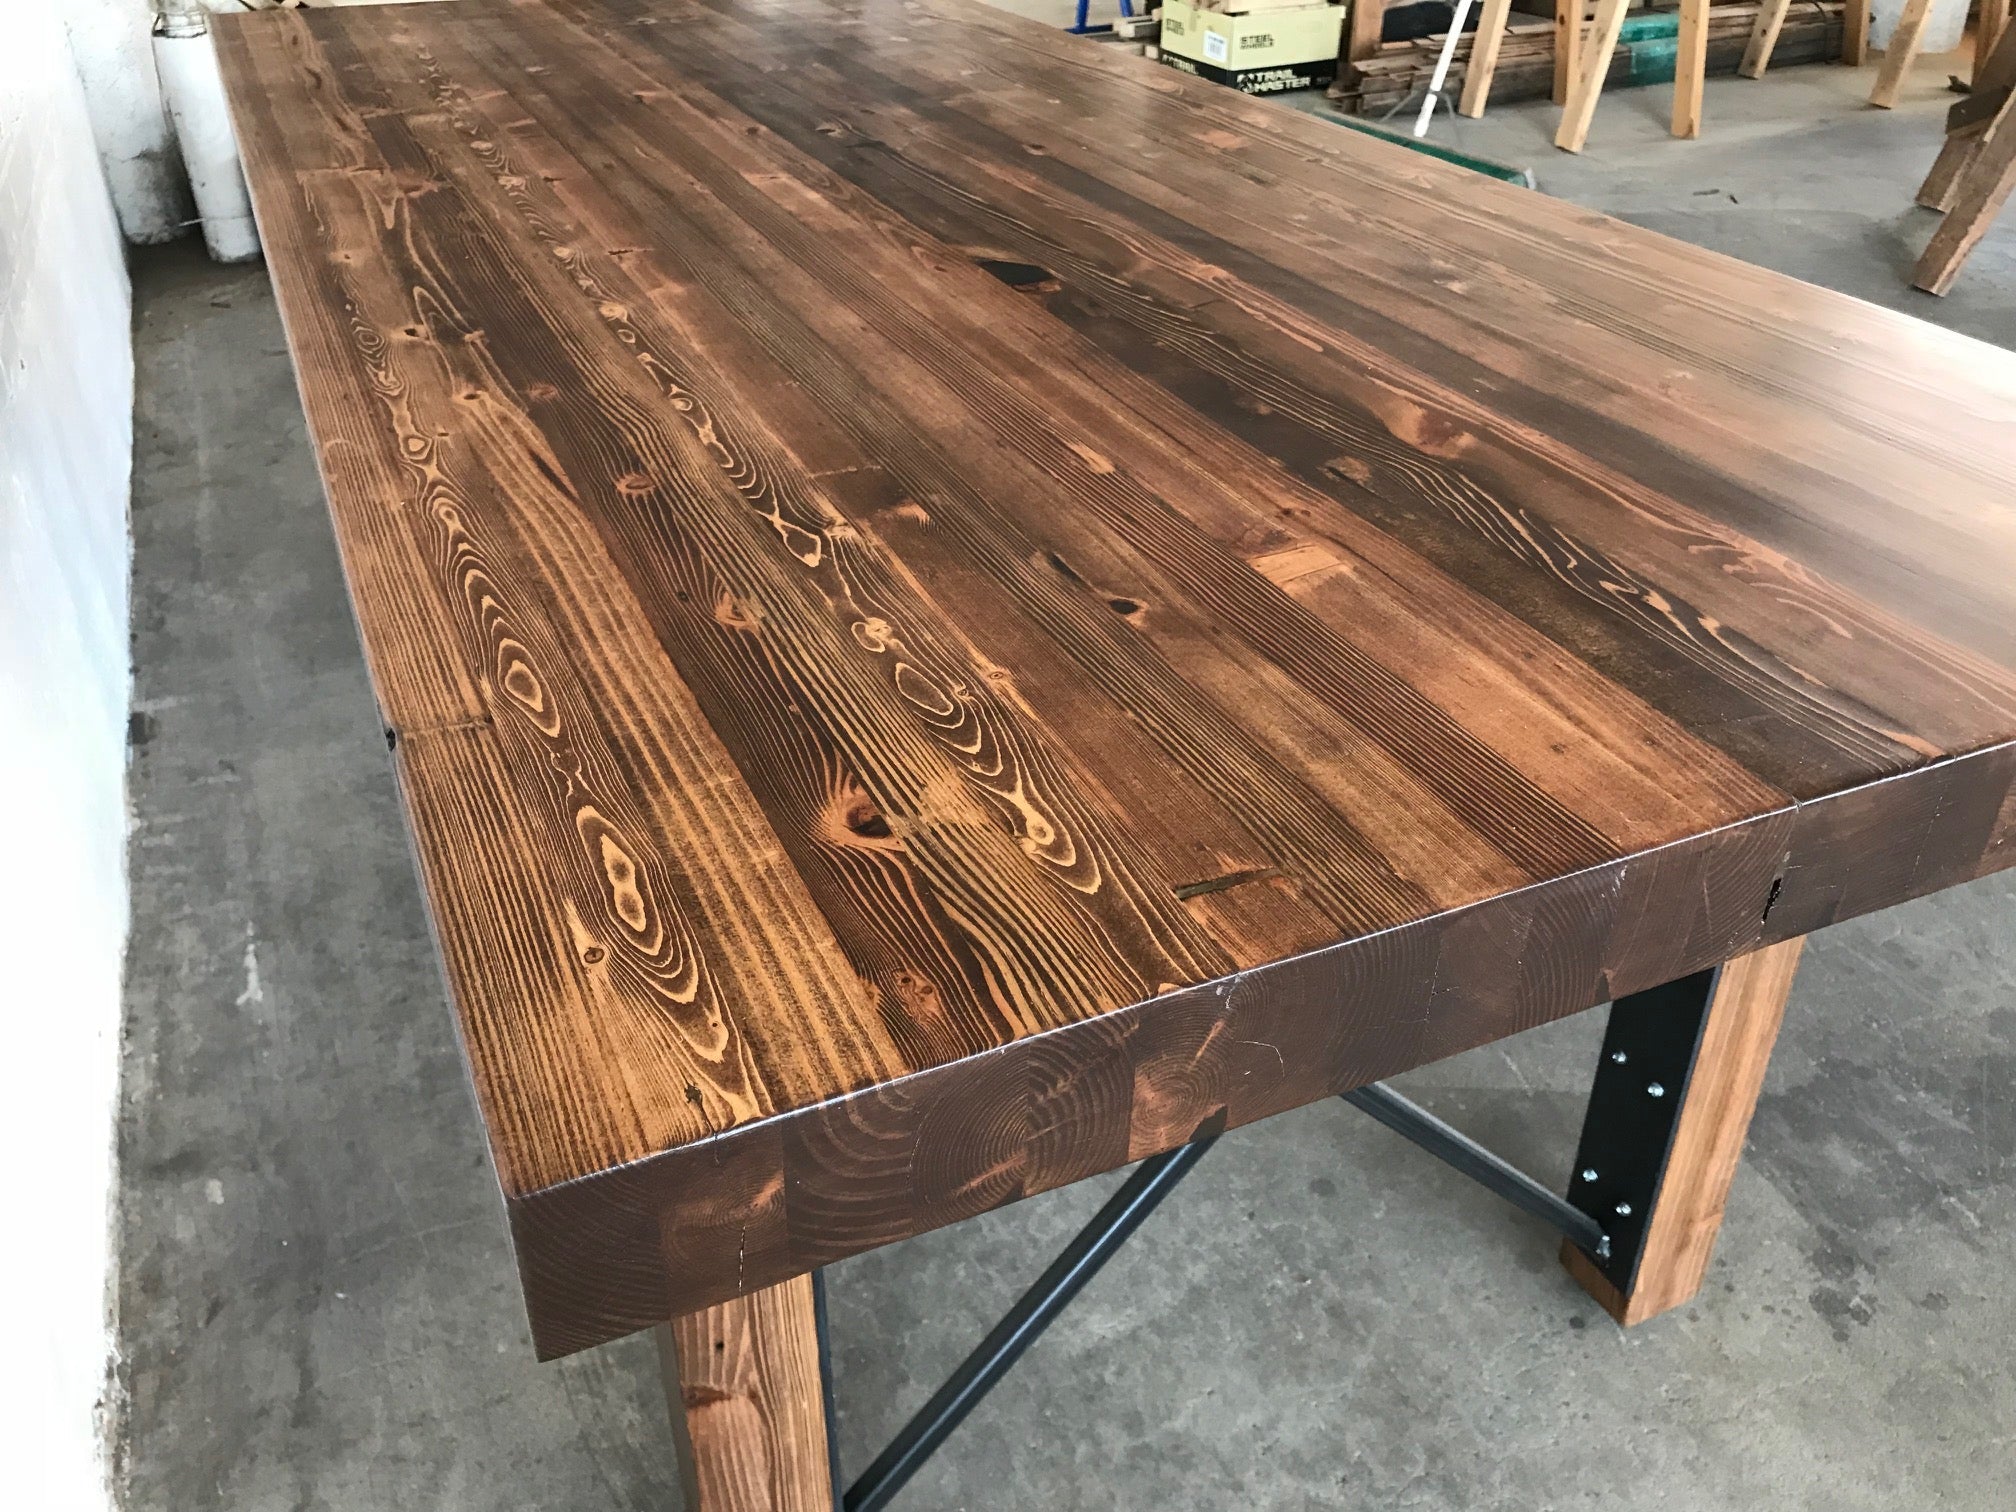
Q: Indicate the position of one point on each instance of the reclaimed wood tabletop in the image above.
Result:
(955, 608)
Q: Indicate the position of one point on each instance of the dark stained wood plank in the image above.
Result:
(747, 1392)
(952, 611)
(1712, 555)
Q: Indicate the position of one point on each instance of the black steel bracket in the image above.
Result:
(1634, 1108)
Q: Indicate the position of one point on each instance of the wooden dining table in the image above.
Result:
(955, 610)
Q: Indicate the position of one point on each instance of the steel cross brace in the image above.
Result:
(1648, 1056)
(1110, 1228)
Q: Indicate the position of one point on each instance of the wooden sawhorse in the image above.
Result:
(1975, 170)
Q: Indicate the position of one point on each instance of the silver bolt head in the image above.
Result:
(1655, 1089)
(1618, 1057)
(1623, 1210)
(1589, 1173)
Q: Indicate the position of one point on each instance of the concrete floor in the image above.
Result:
(317, 1306)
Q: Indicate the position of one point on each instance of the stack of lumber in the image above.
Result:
(1645, 53)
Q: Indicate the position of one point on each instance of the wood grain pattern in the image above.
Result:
(1569, 18)
(1979, 192)
(746, 1389)
(1855, 33)
(1484, 56)
(1763, 38)
(953, 607)
(1976, 169)
(1968, 121)
(1690, 65)
(1721, 1093)
(1591, 70)
(1364, 22)
(1900, 54)
(1990, 17)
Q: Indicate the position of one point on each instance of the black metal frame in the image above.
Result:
(1464, 1154)
(1077, 1263)
(1642, 1076)
(1641, 1081)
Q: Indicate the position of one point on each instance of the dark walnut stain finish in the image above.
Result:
(954, 607)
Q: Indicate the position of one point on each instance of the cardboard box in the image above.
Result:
(1257, 52)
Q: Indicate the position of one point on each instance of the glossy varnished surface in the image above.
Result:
(954, 606)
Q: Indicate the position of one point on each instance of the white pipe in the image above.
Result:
(1442, 67)
(194, 90)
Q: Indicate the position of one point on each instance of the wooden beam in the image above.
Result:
(1363, 25)
(1567, 47)
(1763, 38)
(1900, 54)
(1983, 188)
(746, 1388)
(1595, 67)
(1855, 33)
(1484, 57)
(1994, 74)
(1721, 1094)
(1690, 68)
(1967, 122)
(1989, 24)
(1940, 185)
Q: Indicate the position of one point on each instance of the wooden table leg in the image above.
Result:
(1675, 1088)
(1978, 196)
(746, 1384)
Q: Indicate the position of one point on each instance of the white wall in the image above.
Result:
(111, 41)
(66, 396)
(1945, 26)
